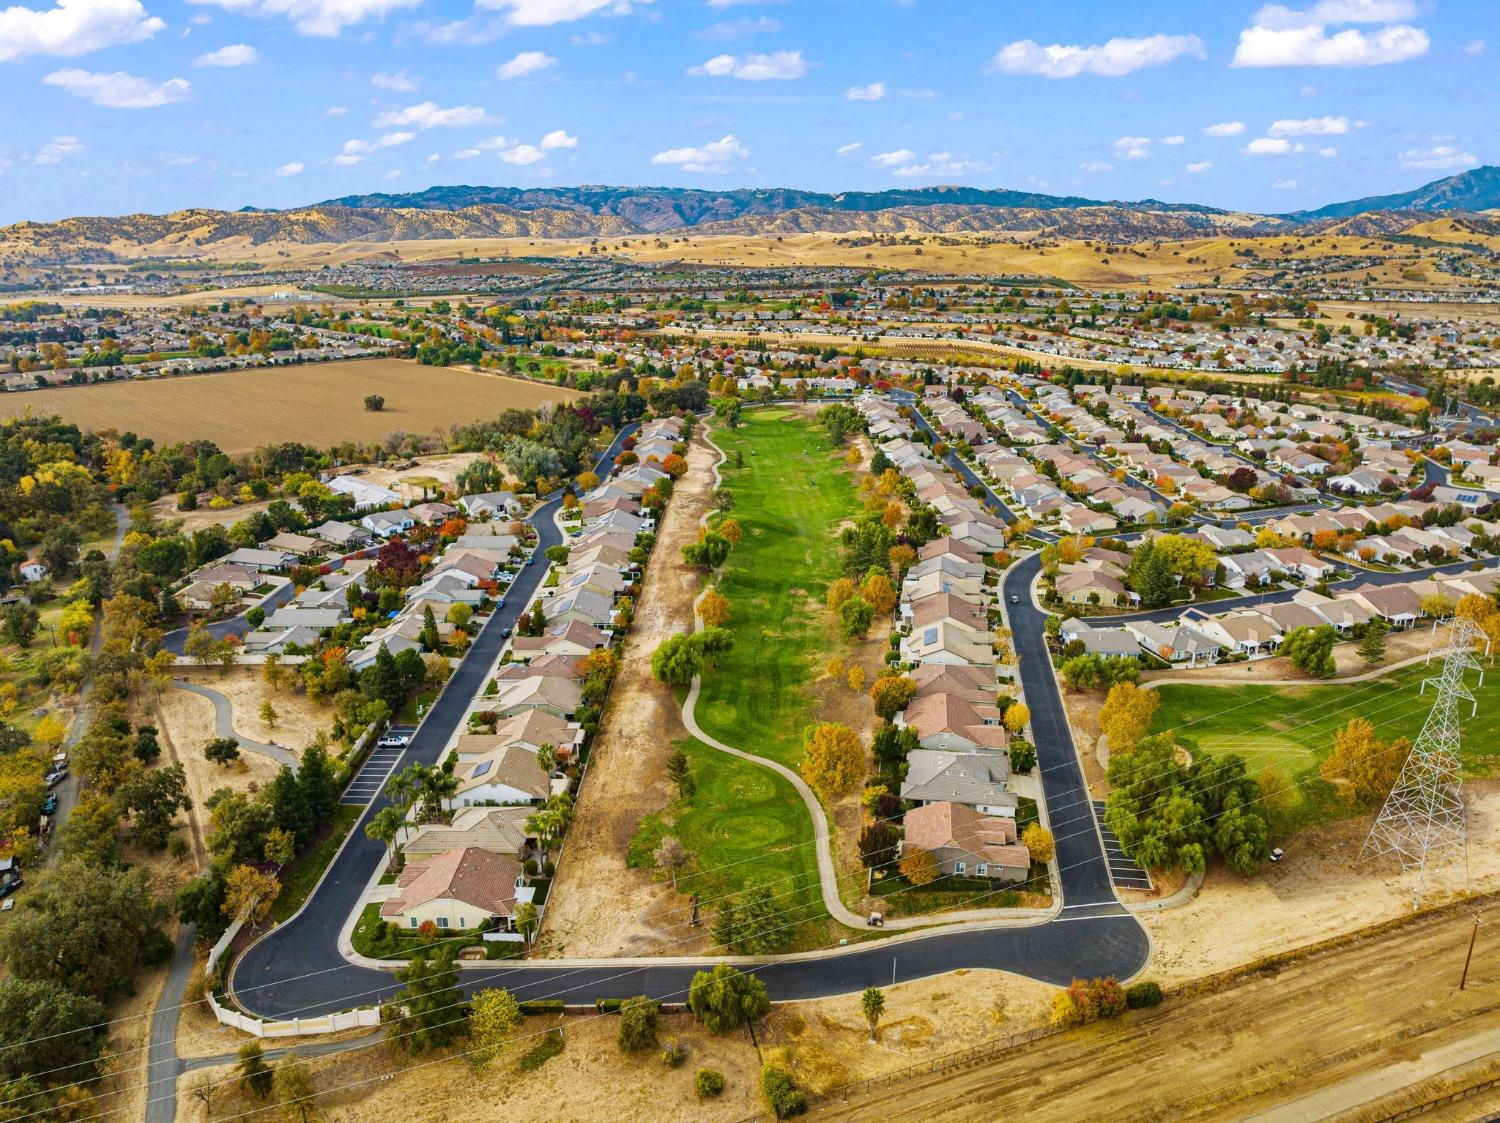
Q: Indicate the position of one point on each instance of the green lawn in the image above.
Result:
(1292, 727)
(746, 826)
(789, 497)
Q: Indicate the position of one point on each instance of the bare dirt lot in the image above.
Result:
(597, 905)
(1270, 1037)
(823, 1043)
(319, 404)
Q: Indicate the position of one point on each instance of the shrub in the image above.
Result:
(782, 1095)
(1143, 995)
(673, 1055)
(1022, 755)
(156, 948)
(608, 1005)
(640, 1018)
(709, 1083)
(542, 1006)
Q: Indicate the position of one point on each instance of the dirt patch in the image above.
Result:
(598, 906)
(185, 723)
(589, 1080)
(1320, 889)
(826, 1043)
(298, 720)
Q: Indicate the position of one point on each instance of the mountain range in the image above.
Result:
(612, 212)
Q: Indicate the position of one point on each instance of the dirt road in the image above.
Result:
(1269, 1039)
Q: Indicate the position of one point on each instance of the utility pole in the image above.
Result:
(1474, 935)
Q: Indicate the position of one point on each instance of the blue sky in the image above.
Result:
(114, 106)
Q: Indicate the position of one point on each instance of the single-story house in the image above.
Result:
(966, 843)
(458, 889)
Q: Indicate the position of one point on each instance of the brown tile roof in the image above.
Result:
(476, 877)
(953, 826)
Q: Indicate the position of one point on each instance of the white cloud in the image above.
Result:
(119, 90)
(1272, 146)
(939, 164)
(58, 149)
(1439, 158)
(1311, 126)
(356, 150)
(1133, 147)
(559, 138)
(525, 63)
(429, 115)
(851, 148)
(74, 27)
(544, 13)
(315, 17)
(181, 161)
(1097, 166)
(344, 160)
(716, 156)
(1173, 141)
(1336, 11)
(1474, 48)
(1284, 184)
(336, 111)
(291, 169)
(1281, 36)
(1225, 128)
(433, 158)
(399, 83)
(1197, 168)
(236, 54)
(590, 39)
(777, 66)
(894, 159)
(523, 154)
(1328, 152)
(726, 30)
(1111, 59)
(493, 144)
(873, 92)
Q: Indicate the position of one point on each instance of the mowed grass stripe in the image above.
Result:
(790, 497)
(1292, 727)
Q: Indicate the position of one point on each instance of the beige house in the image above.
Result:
(457, 889)
(965, 843)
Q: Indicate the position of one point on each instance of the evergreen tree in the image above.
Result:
(423, 1013)
(288, 808)
(320, 794)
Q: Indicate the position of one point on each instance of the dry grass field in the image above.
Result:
(320, 403)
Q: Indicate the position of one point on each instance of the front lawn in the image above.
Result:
(1292, 727)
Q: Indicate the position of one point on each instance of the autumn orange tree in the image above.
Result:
(713, 607)
(839, 592)
(876, 588)
(834, 760)
(918, 867)
(1362, 767)
(890, 695)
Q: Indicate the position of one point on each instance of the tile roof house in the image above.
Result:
(459, 888)
(508, 773)
(501, 830)
(965, 843)
(948, 721)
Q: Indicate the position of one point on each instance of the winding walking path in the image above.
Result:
(224, 724)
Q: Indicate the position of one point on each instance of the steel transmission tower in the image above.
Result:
(1424, 814)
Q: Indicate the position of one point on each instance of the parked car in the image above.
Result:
(56, 776)
(10, 881)
(505, 633)
(1015, 598)
(60, 760)
(49, 805)
(394, 741)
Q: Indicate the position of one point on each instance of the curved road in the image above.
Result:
(298, 969)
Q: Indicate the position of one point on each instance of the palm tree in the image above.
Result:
(386, 827)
